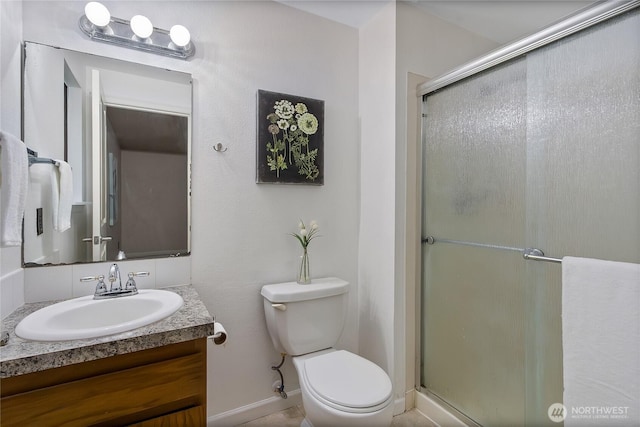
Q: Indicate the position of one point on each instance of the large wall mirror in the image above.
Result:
(125, 130)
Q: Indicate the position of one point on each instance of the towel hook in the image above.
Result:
(219, 148)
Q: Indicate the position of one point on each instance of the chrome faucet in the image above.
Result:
(114, 274)
(115, 289)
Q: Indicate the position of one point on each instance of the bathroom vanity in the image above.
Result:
(150, 376)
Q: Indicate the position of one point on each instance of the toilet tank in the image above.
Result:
(305, 318)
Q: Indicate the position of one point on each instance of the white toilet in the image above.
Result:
(339, 388)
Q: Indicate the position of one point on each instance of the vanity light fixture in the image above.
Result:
(141, 27)
(139, 33)
(180, 36)
(97, 14)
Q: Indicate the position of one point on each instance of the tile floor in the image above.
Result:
(292, 417)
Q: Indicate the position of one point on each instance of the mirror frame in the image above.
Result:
(115, 64)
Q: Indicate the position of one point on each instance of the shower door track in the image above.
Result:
(455, 412)
(581, 20)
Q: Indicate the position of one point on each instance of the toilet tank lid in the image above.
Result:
(292, 291)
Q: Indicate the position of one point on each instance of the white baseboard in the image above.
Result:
(435, 412)
(268, 406)
(410, 400)
(399, 406)
(255, 410)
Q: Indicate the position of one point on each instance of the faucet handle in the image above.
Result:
(100, 287)
(131, 284)
(140, 274)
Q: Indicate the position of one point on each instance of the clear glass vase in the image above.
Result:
(304, 276)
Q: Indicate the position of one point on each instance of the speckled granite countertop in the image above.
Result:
(21, 356)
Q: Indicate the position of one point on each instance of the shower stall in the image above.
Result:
(529, 155)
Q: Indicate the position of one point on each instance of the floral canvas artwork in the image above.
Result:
(290, 139)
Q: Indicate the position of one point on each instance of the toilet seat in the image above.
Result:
(347, 382)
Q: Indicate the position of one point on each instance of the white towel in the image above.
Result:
(62, 195)
(14, 183)
(601, 342)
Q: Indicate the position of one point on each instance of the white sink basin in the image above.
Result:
(84, 317)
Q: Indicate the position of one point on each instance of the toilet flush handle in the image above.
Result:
(280, 307)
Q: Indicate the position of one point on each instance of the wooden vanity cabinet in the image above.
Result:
(164, 386)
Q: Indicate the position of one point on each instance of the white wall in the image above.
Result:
(399, 40)
(11, 273)
(240, 235)
(377, 181)
(241, 239)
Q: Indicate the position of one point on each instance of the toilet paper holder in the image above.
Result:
(219, 333)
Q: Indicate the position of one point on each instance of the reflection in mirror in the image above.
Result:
(125, 130)
(146, 182)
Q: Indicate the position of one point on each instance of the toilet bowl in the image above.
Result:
(338, 388)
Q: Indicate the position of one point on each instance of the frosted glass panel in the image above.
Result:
(583, 185)
(544, 152)
(473, 345)
(583, 127)
(475, 168)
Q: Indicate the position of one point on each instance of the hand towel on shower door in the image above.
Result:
(601, 342)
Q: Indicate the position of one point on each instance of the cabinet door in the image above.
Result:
(116, 391)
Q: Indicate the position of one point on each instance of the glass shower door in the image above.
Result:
(474, 297)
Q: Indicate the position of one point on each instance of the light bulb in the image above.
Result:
(141, 26)
(179, 35)
(97, 14)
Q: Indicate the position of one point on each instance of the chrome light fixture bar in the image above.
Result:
(139, 33)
